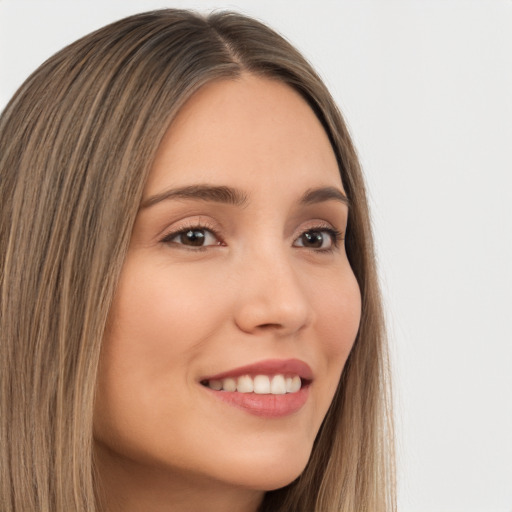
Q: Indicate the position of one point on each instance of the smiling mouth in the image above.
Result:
(272, 388)
(278, 384)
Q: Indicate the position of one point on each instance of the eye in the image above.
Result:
(320, 239)
(193, 237)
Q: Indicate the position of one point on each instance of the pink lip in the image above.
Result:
(266, 406)
(268, 367)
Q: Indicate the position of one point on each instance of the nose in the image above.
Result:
(272, 296)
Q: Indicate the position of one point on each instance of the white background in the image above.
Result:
(426, 87)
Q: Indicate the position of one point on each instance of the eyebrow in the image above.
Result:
(321, 194)
(221, 194)
(234, 196)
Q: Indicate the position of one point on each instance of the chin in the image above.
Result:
(277, 481)
(269, 474)
(269, 479)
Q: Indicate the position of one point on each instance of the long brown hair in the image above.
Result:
(76, 143)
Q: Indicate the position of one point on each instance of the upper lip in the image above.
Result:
(268, 367)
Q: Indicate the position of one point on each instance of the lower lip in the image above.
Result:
(266, 406)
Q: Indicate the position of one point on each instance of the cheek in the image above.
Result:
(157, 325)
(161, 313)
(338, 317)
(339, 311)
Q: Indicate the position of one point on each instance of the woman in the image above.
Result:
(190, 314)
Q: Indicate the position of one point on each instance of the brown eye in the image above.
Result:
(313, 239)
(192, 237)
(319, 239)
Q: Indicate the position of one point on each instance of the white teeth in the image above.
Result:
(278, 386)
(262, 384)
(245, 384)
(293, 384)
(259, 384)
(229, 384)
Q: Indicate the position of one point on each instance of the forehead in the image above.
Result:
(245, 132)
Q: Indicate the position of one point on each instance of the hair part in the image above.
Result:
(77, 142)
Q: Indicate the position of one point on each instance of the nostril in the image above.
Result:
(270, 326)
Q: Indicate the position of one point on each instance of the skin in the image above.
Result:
(256, 290)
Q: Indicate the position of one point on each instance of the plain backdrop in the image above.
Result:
(426, 88)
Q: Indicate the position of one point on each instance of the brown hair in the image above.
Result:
(77, 141)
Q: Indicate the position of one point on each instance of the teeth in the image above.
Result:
(259, 384)
(293, 384)
(245, 384)
(215, 384)
(229, 385)
(278, 386)
(262, 384)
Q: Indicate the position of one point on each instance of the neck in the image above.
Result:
(129, 486)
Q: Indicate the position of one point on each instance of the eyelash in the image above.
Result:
(201, 226)
(335, 236)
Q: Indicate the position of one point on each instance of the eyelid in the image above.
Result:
(316, 225)
(188, 225)
(202, 224)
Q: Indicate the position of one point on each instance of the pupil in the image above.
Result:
(313, 239)
(193, 237)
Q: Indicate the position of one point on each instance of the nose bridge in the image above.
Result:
(272, 296)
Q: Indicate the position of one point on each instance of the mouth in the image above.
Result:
(271, 388)
(259, 384)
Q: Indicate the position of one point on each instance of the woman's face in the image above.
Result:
(236, 275)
